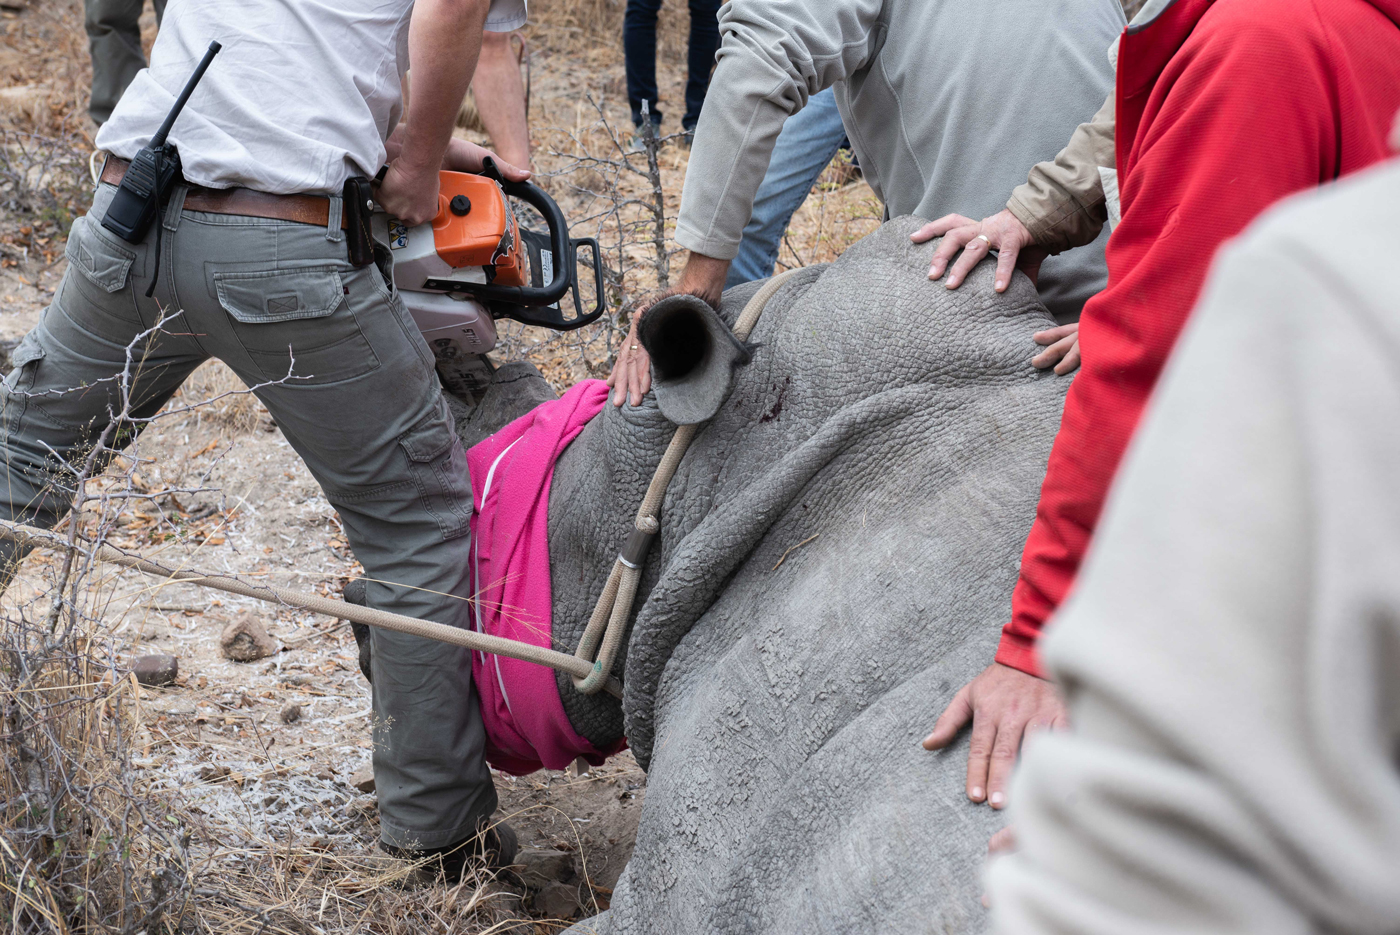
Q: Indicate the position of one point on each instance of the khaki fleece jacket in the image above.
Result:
(946, 103)
(1063, 203)
(1231, 654)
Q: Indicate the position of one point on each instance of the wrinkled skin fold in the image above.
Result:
(776, 691)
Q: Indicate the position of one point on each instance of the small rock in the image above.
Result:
(246, 640)
(558, 901)
(325, 775)
(363, 780)
(539, 866)
(156, 669)
(291, 713)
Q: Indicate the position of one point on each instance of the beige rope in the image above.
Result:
(609, 620)
(608, 623)
(469, 639)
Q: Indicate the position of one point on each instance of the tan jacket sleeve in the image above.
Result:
(1062, 202)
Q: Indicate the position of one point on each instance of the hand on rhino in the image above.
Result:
(1015, 247)
(1004, 706)
(631, 373)
(1063, 350)
(1002, 232)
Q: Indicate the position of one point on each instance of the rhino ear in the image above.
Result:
(693, 356)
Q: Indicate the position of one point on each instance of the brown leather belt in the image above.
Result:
(244, 202)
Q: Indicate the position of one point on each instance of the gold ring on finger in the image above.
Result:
(985, 238)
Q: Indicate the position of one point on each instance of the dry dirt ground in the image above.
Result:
(265, 756)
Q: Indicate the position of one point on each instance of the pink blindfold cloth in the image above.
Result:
(511, 472)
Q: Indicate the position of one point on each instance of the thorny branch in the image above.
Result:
(42, 178)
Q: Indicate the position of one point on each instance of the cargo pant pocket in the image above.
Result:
(16, 387)
(98, 279)
(96, 257)
(296, 324)
(24, 361)
(438, 467)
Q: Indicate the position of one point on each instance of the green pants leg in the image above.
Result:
(114, 39)
(335, 357)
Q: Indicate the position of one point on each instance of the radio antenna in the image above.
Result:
(158, 140)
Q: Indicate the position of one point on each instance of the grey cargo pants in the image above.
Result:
(114, 39)
(363, 409)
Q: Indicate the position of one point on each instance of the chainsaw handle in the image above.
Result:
(539, 305)
(552, 316)
(552, 291)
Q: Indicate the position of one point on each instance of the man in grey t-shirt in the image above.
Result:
(946, 103)
(302, 97)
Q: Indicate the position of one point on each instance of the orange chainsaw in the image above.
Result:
(474, 263)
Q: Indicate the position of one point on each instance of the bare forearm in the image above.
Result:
(444, 41)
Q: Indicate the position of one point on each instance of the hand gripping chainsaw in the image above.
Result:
(474, 263)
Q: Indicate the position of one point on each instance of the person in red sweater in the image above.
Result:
(1223, 108)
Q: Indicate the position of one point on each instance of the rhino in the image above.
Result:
(835, 559)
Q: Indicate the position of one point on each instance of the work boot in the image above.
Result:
(495, 845)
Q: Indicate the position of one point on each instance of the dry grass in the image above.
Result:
(588, 27)
(81, 844)
(44, 131)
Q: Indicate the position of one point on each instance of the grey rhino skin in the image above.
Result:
(776, 691)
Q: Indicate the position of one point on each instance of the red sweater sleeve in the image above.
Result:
(1242, 115)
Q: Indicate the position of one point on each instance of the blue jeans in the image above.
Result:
(639, 49)
(809, 139)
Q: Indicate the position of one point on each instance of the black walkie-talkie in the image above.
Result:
(152, 172)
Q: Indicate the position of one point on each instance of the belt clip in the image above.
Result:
(358, 204)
